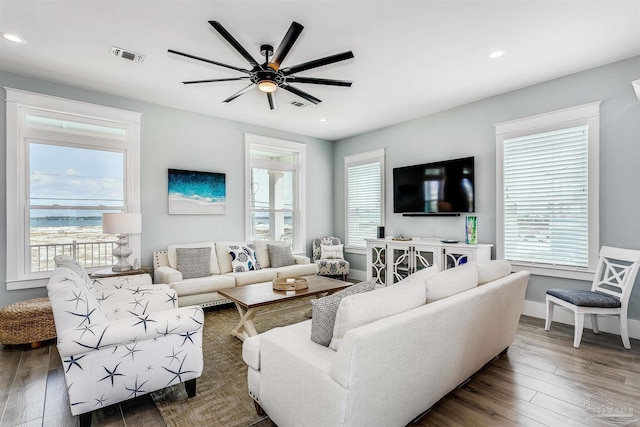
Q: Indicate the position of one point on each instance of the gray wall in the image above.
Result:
(468, 131)
(172, 138)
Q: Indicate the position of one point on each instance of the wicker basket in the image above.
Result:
(290, 283)
(27, 322)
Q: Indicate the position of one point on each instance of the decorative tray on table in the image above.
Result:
(290, 283)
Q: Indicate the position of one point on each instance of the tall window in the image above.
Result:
(364, 191)
(276, 172)
(67, 163)
(548, 191)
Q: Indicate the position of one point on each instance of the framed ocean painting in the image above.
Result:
(197, 193)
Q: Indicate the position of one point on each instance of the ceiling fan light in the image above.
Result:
(267, 86)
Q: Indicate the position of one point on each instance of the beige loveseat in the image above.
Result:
(391, 355)
(203, 290)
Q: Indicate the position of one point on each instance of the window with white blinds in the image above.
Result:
(364, 197)
(546, 203)
(548, 192)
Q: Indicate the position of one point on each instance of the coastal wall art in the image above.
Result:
(197, 193)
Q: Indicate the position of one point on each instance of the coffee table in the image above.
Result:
(249, 298)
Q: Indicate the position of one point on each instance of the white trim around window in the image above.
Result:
(93, 119)
(536, 127)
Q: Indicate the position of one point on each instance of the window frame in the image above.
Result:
(587, 114)
(275, 145)
(19, 104)
(367, 157)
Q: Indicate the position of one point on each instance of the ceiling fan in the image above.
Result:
(269, 76)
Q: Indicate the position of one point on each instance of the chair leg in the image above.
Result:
(190, 386)
(624, 332)
(259, 409)
(85, 419)
(594, 323)
(577, 334)
(547, 323)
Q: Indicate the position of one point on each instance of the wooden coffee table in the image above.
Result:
(250, 298)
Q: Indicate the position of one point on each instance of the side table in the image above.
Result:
(107, 272)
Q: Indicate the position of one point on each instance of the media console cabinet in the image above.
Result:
(389, 261)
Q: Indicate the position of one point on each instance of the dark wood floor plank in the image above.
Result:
(26, 397)
(9, 361)
(56, 407)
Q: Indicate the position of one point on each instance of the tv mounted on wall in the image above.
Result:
(445, 188)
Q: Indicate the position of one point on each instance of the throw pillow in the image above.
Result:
(72, 264)
(193, 262)
(331, 252)
(451, 282)
(280, 256)
(323, 311)
(243, 258)
(488, 271)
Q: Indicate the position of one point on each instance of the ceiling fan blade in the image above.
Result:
(233, 42)
(301, 93)
(317, 63)
(209, 61)
(240, 92)
(272, 101)
(313, 80)
(215, 80)
(285, 45)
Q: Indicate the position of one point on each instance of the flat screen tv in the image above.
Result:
(445, 187)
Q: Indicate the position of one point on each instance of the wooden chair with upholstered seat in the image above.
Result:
(609, 294)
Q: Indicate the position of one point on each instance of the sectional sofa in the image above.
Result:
(221, 273)
(394, 352)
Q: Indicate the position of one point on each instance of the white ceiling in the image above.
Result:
(412, 58)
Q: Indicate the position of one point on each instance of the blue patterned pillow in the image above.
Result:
(243, 258)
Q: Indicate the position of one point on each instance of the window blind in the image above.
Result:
(364, 203)
(546, 198)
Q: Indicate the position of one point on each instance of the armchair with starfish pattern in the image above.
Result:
(120, 342)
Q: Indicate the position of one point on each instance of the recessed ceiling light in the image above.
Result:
(323, 120)
(496, 54)
(13, 38)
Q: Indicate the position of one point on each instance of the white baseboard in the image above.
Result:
(562, 315)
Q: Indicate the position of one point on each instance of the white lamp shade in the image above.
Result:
(121, 223)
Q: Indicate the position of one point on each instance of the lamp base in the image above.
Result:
(121, 252)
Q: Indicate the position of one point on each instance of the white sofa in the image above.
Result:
(203, 290)
(388, 371)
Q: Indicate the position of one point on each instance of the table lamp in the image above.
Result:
(122, 224)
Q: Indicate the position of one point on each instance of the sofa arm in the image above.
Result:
(302, 259)
(166, 274)
(121, 304)
(186, 322)
(120, 282)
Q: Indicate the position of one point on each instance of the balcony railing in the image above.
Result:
(89, 254)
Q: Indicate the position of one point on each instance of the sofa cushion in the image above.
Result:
(323, 311)
(297, 270)
(361, 309)
(203, 285)
(255, 276)
(451, 282)
(243, 258)
(193, 262)
(280, 256)
(331, 252)
(262, 254)
(213, 262)
(421, 276)
(488, 271)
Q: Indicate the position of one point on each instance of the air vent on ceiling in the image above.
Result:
(298, 104)
(126, 54)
